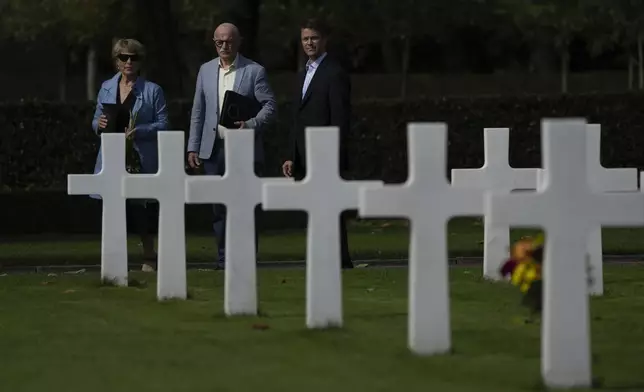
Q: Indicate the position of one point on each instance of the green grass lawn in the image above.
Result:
(68, 333)
(367, 240)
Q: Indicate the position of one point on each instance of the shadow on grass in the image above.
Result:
(381, 316)
(598, 383)
(324, 331)
(261, 314)
(131, 283)
(638, 387)
(37, 260)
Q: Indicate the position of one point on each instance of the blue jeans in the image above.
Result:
(216, 165)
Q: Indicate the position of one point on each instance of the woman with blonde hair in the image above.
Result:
(131, 104)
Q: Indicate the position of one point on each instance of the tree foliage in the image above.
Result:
(547, 21)
(360, 26)
(626, 18)
(70, 22)
(198, 15)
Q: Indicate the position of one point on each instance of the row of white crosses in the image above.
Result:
(568, 209)
(564, 205)
(496, 175)
(499, 177)
(321, 192)
(239, 189)
(114, 184)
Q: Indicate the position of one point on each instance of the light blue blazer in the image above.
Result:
(250, 80)
(151, 116)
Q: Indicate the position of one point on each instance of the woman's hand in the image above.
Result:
(102, 122)
(287, 169)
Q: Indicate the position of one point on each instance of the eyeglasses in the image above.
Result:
(125, 57)
(220, 43)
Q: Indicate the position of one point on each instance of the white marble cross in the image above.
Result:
(567, 210)
(429, 202)
(107, 184)
(601, 179)
(324, 195)
(241, 191)
(497, 176)
(168, 187)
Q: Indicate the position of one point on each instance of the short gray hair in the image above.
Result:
(128, 45)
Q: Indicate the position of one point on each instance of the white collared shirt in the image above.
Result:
(311, 67)
(226, 82)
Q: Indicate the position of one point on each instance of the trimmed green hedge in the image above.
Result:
(55, 212)
(43, 142)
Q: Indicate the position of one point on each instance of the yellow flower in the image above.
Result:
(526, 272)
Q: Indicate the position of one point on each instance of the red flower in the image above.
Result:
(508, 267)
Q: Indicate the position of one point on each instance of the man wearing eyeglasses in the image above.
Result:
(229, 71)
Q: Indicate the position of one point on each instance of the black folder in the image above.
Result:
(110, 110)
(237, 107)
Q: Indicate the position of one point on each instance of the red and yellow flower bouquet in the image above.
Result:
(524, 270)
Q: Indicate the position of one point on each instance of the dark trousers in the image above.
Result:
(345, 256)
(344, 242)
(216, 165)
(142, 218)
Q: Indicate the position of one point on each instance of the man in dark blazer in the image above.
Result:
(322, 99)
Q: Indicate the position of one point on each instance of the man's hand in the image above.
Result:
(287, 168)
(102, 122)
(193, 160)
(241, 124)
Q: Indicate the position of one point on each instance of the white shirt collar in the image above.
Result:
(316, 63)
(233, 65)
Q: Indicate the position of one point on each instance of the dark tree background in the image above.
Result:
(158, 28)
(425, 47)
(245, 15)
